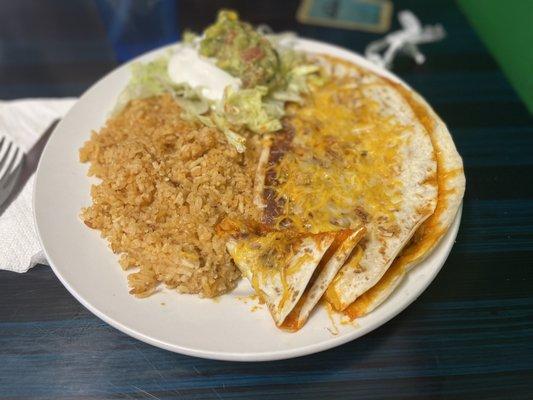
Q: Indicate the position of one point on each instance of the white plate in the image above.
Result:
(225, 328)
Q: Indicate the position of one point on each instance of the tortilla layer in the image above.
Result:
(451, 187)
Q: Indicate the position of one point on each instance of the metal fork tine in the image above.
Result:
(2, 142)
(12, 159)
(6, 154)
(9, 179)
(12, 162)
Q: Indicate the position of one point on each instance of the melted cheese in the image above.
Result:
(344, 158)
(274, 249)
(276, 254)
(292, 322)
(427, 235)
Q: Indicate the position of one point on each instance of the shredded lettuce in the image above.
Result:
(247, 108)
(257, 109)
(190, 100)
(152, 79)
(189, 37)
(147, 79)
(235, 139)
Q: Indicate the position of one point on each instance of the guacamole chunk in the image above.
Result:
(271, 76)
(240, 50)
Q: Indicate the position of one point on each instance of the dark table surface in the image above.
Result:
(470, 335)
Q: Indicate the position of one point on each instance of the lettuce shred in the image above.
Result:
(258, 109)
(147, 79)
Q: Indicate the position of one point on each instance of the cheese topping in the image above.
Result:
(427, 234)
(278, 254)
(343, 163)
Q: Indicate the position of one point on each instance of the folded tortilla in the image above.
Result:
(354, 153)
(340, 250)
(427, 184)
(290, 271)
(451, 187)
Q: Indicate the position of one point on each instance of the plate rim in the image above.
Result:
(448, 240)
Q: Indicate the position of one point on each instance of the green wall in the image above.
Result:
(506, 28)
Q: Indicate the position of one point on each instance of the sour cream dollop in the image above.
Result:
(187, 66)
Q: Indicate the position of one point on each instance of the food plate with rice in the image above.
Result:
(237, 175)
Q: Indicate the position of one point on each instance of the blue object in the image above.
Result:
(135, 27)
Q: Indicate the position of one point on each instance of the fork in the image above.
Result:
(11, 161)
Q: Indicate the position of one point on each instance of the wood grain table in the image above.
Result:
(469, 336)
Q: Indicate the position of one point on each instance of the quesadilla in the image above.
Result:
(361, 150)
(353, 153)
(290, 271)
(451, 187)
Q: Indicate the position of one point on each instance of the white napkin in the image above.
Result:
(25, 121)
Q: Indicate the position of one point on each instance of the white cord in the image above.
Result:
(404, 40)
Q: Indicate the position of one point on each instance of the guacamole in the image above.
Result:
(240, 50)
